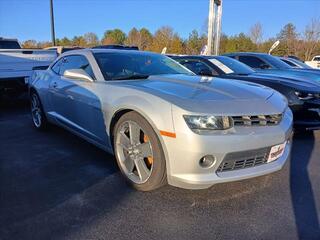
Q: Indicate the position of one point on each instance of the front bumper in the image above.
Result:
(307, 115)
(188, 148)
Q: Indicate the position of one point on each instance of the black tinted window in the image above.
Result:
(198, 67)
(76, 62)
(288, 62)
(253, 62)
(56, 67)
(9, 45)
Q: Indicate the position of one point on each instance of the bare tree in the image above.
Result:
(141, 38)
(91, 39)
(256, 33)
(162, 38)
(115, 36)
(133, 38)
(29, 44)
(146, 39)
(289, 38)
(311, 38)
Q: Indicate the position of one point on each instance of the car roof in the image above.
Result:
(101, 50)
(197, 56)
(116, 46)
(246, 53)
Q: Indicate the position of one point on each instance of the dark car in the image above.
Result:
(303, 95)
(294, 63)
(117, 46)
(268, 64)
(297, 64)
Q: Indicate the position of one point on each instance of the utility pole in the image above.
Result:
(210, 27)
(214, 27)
(53, 37)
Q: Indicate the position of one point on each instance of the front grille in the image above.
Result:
(258, 120)
(246, 159)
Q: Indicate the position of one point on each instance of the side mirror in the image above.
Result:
(204, 72)
(79, 74)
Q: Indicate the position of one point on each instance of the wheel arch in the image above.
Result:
(33, 90)
(120, 112)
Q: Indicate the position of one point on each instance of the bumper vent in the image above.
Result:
(246, 159)
(259, 120)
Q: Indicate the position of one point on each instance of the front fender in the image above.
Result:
(156, 111)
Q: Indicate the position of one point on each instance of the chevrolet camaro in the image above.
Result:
(163, 123)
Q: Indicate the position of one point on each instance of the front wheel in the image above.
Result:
(38, 117)
(139, 152)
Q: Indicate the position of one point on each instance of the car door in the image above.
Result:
(76, 104)
(60, 102)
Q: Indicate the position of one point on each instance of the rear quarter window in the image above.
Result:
(56, 67)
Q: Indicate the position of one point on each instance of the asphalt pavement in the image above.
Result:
(53, 185)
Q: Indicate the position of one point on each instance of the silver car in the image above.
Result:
(163, 123)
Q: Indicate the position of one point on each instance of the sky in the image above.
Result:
(30, 19)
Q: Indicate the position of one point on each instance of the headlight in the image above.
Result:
(208, 122)
(307, 96)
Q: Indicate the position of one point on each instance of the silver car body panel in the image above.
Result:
(87, 109)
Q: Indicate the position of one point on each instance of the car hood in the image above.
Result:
(292, 82)
(205, 88)
(314, 70)
(198, 94)
(293, 73)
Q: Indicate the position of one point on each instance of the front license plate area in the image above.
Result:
(276, 152)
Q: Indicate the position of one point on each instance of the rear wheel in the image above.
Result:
(139, 152)
(38, 118)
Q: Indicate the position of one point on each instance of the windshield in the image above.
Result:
(276, 62)
(136, 65)
(301, 64)
(230, 66)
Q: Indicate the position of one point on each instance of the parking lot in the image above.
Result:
(56, 186)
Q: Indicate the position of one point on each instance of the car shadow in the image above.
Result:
(55, 185)
(51, 182)
(303, 199)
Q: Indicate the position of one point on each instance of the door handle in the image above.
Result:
(54, 84)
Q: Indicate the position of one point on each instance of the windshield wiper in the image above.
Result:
(131, 77)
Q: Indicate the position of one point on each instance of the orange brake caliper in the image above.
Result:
(150, 159)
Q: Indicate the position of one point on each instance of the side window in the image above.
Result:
(76, 62)
(289, 62)
(56, 67)
(198, 67)
(254, 62)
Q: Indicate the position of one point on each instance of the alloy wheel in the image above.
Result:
(134, 151)
(36, 111)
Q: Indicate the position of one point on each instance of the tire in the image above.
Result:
(139, 153)
(38, 117)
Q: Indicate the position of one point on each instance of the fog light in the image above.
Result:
(207, 161)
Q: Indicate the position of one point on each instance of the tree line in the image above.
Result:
(303, 44)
